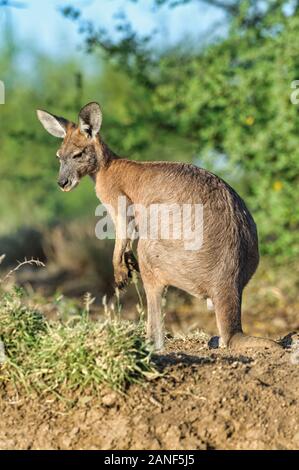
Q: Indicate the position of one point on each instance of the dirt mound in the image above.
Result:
(204, 399)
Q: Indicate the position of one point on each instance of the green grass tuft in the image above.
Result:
(64, 357)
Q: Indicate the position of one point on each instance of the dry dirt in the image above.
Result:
(205, 399)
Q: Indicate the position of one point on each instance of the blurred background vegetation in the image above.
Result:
(219, 99)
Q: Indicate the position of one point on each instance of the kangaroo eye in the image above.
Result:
(78, 155)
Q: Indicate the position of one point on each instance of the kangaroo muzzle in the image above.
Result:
(63, 182)
(67, 184)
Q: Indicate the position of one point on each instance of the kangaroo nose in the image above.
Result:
(63, 182)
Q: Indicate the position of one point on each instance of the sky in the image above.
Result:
(40, 22)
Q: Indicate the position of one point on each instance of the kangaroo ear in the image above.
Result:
(53, 124)
(90, 119)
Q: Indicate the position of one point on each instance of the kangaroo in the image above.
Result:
(219, 269)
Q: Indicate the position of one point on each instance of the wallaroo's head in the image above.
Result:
(78, 154)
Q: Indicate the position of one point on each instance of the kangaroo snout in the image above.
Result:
(63, 182)
(67, 184)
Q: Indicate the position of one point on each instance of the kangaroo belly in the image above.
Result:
(171, 264)
(222, 254)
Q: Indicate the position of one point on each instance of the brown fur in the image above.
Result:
(229, 254)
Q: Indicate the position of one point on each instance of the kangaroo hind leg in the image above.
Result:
(155, 325)
(228, 317)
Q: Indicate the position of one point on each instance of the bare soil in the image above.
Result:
(204, 399)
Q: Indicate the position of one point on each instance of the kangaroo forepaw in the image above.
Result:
(131, 262)
(124, 272)
(239, 341)
(121, 277)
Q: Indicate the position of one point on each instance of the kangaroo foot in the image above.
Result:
(241, 342)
